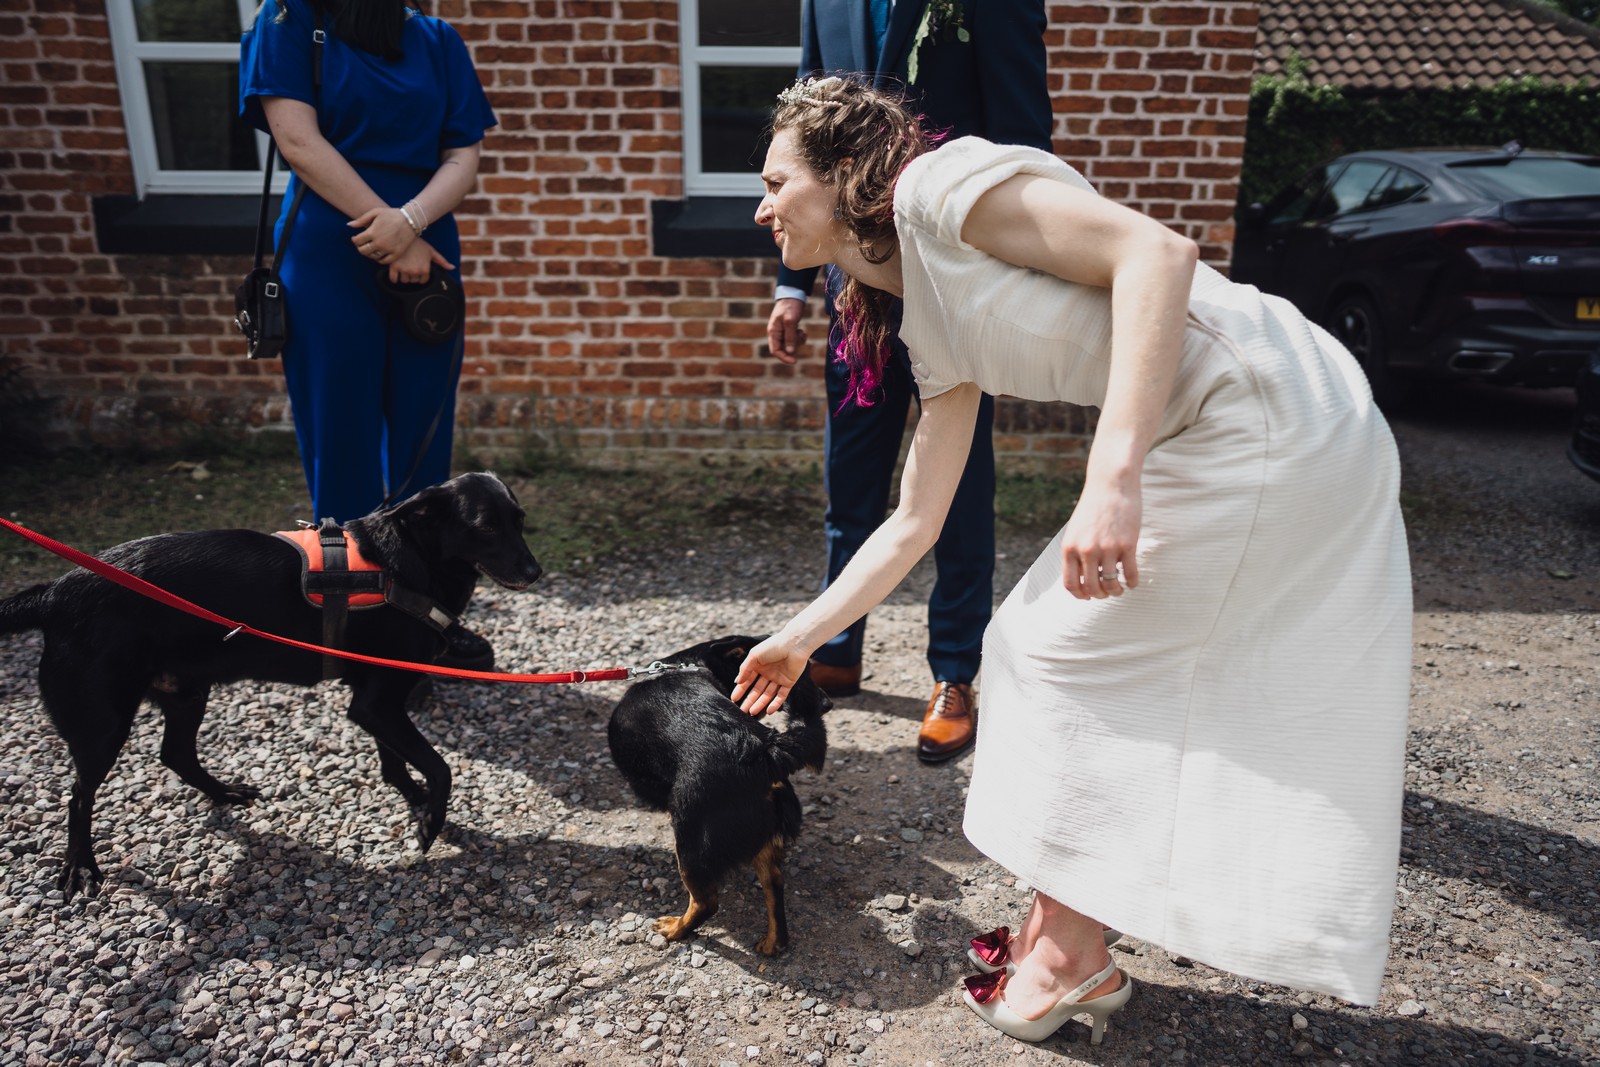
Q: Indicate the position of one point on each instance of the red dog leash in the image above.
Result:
(156, 593)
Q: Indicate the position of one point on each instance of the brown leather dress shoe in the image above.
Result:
(836, 681)
(950, 724)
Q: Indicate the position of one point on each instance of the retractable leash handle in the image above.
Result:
(234, 628)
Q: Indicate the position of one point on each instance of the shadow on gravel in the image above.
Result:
(1218, 1028)
(1529, 865)
(1540, 412)
(844, 859)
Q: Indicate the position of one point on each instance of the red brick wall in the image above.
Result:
(581, 338)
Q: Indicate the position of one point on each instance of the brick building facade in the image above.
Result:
(600, 318)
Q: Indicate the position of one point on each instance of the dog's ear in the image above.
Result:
(421, 506)
(734, 647)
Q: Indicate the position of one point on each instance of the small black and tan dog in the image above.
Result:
(686, 748)
(107, 648)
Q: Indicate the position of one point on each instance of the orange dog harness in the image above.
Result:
(337, 579)
(351, 574)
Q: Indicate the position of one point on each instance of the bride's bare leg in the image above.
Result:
(1022, 940)
(1056, 950)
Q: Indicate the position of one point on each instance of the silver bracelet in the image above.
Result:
(415, 229)
(418, 205)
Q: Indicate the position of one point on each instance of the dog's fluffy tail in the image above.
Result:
(25, 611)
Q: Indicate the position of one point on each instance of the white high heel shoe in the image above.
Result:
(985, 996)
(992, 951)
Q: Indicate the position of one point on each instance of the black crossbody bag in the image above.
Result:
(260, 306)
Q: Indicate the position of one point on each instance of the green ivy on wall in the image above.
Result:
(1295, 125)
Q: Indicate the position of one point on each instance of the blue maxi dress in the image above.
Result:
(364, 392)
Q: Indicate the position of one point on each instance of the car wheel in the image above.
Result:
(1356, 324)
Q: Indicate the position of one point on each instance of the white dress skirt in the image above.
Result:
(1212, 762)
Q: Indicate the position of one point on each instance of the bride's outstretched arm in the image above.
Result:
(933, 469)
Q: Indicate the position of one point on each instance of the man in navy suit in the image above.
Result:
(980, 71)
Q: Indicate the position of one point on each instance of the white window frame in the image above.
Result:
(697, 182)
(131, 54)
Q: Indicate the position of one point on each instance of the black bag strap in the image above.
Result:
(266, 197)
(317, 39)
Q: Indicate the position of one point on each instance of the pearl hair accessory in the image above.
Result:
(807, 91)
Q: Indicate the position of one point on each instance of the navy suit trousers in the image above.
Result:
(861, 450)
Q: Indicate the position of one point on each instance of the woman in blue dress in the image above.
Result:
(387, 149)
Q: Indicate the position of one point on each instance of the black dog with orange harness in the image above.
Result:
(106, 648)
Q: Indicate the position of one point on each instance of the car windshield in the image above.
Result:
(1529, 177)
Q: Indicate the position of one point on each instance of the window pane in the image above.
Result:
(1292, 204)
(189, 20)
(1402, 187)
(735, 104)
(193, 110)
(1532, 176)
(1351, 189)
(769, 23)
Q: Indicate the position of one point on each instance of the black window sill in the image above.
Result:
(179, 225)
(174, 224)
(709, 226)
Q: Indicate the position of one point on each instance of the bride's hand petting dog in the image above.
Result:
(107, 648)
(685, 747)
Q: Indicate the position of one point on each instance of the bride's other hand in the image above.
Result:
(1101, 536)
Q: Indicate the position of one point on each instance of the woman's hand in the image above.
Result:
(413, 264)
(385, 234)
(1102, 535)
(767, 674)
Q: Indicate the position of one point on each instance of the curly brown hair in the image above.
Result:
(858, 139)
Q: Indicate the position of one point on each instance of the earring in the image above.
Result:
(838, 216)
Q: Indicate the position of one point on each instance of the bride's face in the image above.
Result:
(798, 207)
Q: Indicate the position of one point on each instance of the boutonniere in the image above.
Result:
(942, 20)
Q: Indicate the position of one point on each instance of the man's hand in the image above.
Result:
(784, 335)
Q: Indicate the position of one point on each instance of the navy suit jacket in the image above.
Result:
(992, 85)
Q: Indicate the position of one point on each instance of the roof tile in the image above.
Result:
(1428, 44)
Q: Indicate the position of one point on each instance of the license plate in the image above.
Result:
(1589, 307)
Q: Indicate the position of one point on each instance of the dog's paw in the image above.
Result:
(427, 827)
(672, 927)
(78, 878)
(770, 946)
(236, 794)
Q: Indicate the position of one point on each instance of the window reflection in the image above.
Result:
(192, 110)
(188, 20)
(741, 23)
(735, 105)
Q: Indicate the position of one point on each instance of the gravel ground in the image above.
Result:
(306, 929)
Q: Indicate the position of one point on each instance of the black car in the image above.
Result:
(1585, 449)
(1440, 263)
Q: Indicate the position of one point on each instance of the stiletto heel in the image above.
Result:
(991, 952)
(984, 995)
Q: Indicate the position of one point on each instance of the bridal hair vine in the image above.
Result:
(809, 91)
